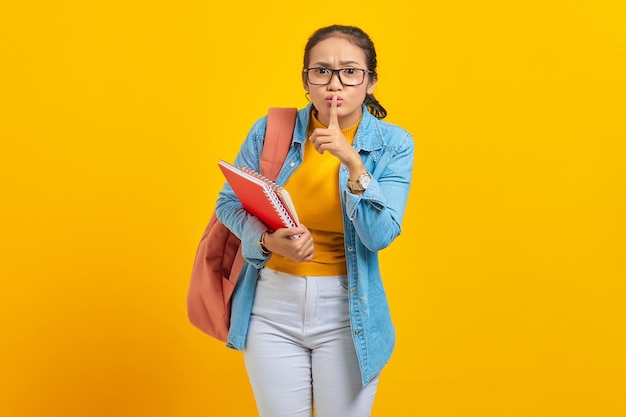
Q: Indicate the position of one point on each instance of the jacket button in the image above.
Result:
(350, 249)
(292, 164)
(356, 332)
(352, 289)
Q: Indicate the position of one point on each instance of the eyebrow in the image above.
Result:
(325, 64)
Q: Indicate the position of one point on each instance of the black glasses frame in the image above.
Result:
(338, 72)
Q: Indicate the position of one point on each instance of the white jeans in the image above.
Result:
(299, 349)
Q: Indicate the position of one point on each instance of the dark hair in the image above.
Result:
(360, 39)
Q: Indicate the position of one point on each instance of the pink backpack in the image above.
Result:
(218, 259)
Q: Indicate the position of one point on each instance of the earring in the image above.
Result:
(308, 97)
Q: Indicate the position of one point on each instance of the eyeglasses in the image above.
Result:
(347, 76)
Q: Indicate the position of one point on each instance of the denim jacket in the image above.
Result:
(371, 222)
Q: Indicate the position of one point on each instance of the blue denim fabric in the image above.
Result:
(371, 222)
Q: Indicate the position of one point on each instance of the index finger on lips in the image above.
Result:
(334, 120)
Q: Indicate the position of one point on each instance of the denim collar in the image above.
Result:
(369, 135)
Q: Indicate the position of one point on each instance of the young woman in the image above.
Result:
(310, 313)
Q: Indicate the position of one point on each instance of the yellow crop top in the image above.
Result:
(314, 189)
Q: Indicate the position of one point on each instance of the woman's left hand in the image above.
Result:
(333, 140)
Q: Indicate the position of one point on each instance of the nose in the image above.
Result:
(335, 82)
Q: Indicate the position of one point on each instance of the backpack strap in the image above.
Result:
(281, 122)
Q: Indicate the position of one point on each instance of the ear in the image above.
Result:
(305, 83)
(371, 86)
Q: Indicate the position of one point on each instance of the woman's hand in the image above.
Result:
(284, 242)
(332, 140)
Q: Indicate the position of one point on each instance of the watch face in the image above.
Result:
(365, 180)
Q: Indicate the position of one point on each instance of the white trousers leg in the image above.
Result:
(299, 349)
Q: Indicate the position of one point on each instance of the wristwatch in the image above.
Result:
(361, 183)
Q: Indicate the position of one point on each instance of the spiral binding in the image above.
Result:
(272, 194)
(263, 178)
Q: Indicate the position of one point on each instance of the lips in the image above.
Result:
(329, 100)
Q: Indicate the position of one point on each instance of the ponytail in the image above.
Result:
(374, 107)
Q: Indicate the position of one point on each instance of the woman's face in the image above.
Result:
(337, 52)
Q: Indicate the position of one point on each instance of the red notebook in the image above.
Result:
(261, 196)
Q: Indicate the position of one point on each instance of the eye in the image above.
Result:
(320, 71)
(349, 71)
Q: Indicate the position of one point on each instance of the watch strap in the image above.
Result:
(357, 185)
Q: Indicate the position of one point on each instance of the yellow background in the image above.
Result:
(507, 286)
